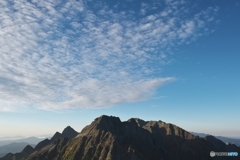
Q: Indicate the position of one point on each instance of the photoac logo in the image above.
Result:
(212, 153)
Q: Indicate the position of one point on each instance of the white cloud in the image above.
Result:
(60, 55)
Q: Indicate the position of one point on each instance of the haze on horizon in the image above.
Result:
(66, 63)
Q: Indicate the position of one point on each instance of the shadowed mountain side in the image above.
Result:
(107, 138)
(42, 144)
(56, 136)
(221, 146)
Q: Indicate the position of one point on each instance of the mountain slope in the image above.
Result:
(107, 138)
(49, 151)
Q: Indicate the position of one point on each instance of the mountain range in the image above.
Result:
(67, 133)
(13, 148)
(28, 140)
(16, 144)
(108, 138)
(224, 139)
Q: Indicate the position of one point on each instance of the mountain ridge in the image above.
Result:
(109, 138)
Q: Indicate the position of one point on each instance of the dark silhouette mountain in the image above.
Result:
(56, 136)
(46, 147)
(107, 138)
(12, 148)
(18, 156)
(68, 132)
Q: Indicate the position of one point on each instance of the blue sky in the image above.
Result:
(66, 63)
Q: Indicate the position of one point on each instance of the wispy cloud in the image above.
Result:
(67, 54)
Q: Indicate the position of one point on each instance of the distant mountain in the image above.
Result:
(29, 140)
(67, 134)
(18, 156)
(107, 138)
(224, 139)
(13, 148)
(229, 140)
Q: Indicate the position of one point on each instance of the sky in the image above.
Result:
(64, 63)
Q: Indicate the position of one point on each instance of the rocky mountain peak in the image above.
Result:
(139, 121)
(105, 119)
(69, 132)
(106, 123)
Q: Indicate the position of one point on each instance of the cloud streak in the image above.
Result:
(61, 55)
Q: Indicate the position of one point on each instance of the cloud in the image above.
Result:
(61, 55)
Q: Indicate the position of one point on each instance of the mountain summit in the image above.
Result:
(69, 132)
